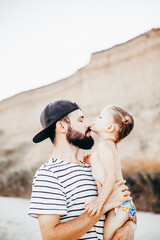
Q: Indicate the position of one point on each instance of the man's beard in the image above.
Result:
(78, 139)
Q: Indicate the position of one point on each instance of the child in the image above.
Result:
(113, 124)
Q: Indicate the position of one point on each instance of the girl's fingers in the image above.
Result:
(87, 208)
(127, 198)
(90, 211)
(120, 182)
(86, 204)
(123, 187)
(126, 193)
(93, 212)
(98, 212)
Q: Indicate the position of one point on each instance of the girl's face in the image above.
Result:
(102, 123)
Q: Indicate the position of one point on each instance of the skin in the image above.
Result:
(95, 206)
(126, 232)
(106, 168)
(103, 159)
(50, 226)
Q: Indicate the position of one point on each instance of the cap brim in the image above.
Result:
(41, 136)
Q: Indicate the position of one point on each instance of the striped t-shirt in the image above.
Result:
(62, 188)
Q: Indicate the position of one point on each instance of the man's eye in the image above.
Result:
(100, 117)
(81, 120)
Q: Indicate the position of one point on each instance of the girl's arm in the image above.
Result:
(108, 162)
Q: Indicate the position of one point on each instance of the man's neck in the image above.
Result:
(65, 151)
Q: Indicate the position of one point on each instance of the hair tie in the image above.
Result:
(126, 120)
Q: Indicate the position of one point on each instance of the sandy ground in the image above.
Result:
(15, 224)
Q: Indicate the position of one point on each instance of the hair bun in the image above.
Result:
(126, 120)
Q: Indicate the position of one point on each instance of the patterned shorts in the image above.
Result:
(129, 207)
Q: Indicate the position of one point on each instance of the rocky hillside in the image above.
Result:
(127, 75)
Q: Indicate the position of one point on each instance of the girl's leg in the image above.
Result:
(113, 222)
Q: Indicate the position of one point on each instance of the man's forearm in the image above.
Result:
(52, 229)
(73, 229)
(127, 231)
(76, 228)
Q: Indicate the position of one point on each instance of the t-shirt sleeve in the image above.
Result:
(48, 195)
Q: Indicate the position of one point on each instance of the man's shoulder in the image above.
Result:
(45, 169)
(51, 167)
(47, 174)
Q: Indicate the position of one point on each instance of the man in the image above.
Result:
(63, 184)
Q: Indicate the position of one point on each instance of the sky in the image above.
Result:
(43, 41)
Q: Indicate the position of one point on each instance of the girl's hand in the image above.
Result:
(93, 207)
(86, 159)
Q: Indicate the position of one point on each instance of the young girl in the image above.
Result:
(113, 124)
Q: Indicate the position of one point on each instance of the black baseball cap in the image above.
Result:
(51, 114)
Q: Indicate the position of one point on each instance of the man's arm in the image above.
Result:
(52, 229)
(127, 231)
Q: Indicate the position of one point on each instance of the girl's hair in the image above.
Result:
(124, 120)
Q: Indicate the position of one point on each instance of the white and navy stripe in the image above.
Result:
(62, 188)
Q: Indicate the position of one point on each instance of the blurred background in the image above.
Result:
(92, 52)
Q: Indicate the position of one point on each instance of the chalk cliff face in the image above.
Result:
(127, 75)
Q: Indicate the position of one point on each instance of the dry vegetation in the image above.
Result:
(143, 179)
(15, 181)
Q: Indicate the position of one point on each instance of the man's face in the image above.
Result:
(79, 133)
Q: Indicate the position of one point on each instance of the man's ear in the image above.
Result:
(110, 128)
(61, 127)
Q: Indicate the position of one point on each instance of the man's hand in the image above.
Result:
(126, 232)
(119, 195)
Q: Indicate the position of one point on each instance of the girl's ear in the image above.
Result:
(61, 127)
(110, 128)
